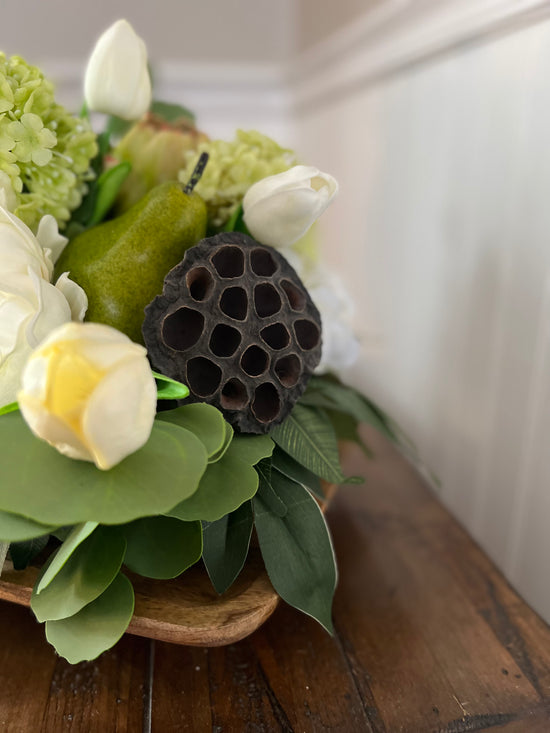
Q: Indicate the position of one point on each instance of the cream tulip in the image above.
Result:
(89, 392)
(279, 210)
(117, 79)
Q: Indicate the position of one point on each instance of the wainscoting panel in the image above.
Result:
(442, 232)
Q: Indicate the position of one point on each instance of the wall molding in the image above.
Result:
(221, 94)
(396, 36)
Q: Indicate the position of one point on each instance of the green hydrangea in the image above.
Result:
(232, 168)
(45, 152)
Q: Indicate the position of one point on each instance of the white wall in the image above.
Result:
(442, 231)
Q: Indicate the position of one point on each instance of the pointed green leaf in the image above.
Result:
(204, 421)
(162, 547)
(266, 489)
(89, 570)
(43, 485)
(297, 551)
(12, 407)
(97, 627)
(226, 544)
(15, 528)
(170, 389)
(229, 482)
(334, 395)
(23, 553)
(75, 538)
(172, 112)
(286, 465)
(108, 186)
(308, 436)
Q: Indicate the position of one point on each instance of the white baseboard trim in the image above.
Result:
(397, 35)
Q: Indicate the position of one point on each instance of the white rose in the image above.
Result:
(89, 391)
(117, 78)
(20, 249)
(278, 210)
(30, 306)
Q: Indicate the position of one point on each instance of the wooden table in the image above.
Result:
(429, 637)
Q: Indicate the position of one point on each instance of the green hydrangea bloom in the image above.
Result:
(45, 152)
(232, 168)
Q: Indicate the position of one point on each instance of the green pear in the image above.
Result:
(122, 263)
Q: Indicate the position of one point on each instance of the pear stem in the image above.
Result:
(197, 173)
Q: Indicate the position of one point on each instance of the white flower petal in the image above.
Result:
(127, 396)
(75, 295)
(49, 238)
(280, 209)
(117, 79)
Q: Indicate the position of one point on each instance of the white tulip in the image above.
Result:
(89, 391)
(278, 210)
(30, 306)
(117, 78)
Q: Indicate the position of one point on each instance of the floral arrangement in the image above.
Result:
(169, 345)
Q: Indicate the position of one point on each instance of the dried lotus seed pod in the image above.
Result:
(235, 323)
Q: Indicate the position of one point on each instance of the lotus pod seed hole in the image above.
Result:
(182, 329)
(262, 262)
(266, 404)
(224, 340)
(234, 303)
(203, 376)
(229, 261)
(296, 298)
(254, 361)
(234, 395)
(200, 283)
(267, 300)
(288, 369)
(276, 336)
(307, 334)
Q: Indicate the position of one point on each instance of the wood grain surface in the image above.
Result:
(429, 639)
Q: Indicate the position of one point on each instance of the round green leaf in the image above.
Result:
(40, 483)
(229, 482)
(90, 569)
(15, 528)
(204, 421)
(97, 627)
(162, 547)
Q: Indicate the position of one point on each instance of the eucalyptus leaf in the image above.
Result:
(97, 627)
(23, 553)
(229, 482)
(307, 436)
(89, 570)
(225, 445)
(75, 538)
(170, 389)
(204, 421)
(162, 547)
(15, 528)
(107, 187)
(226, 544)
(286, 465)
(43, 485)
(297, 551)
